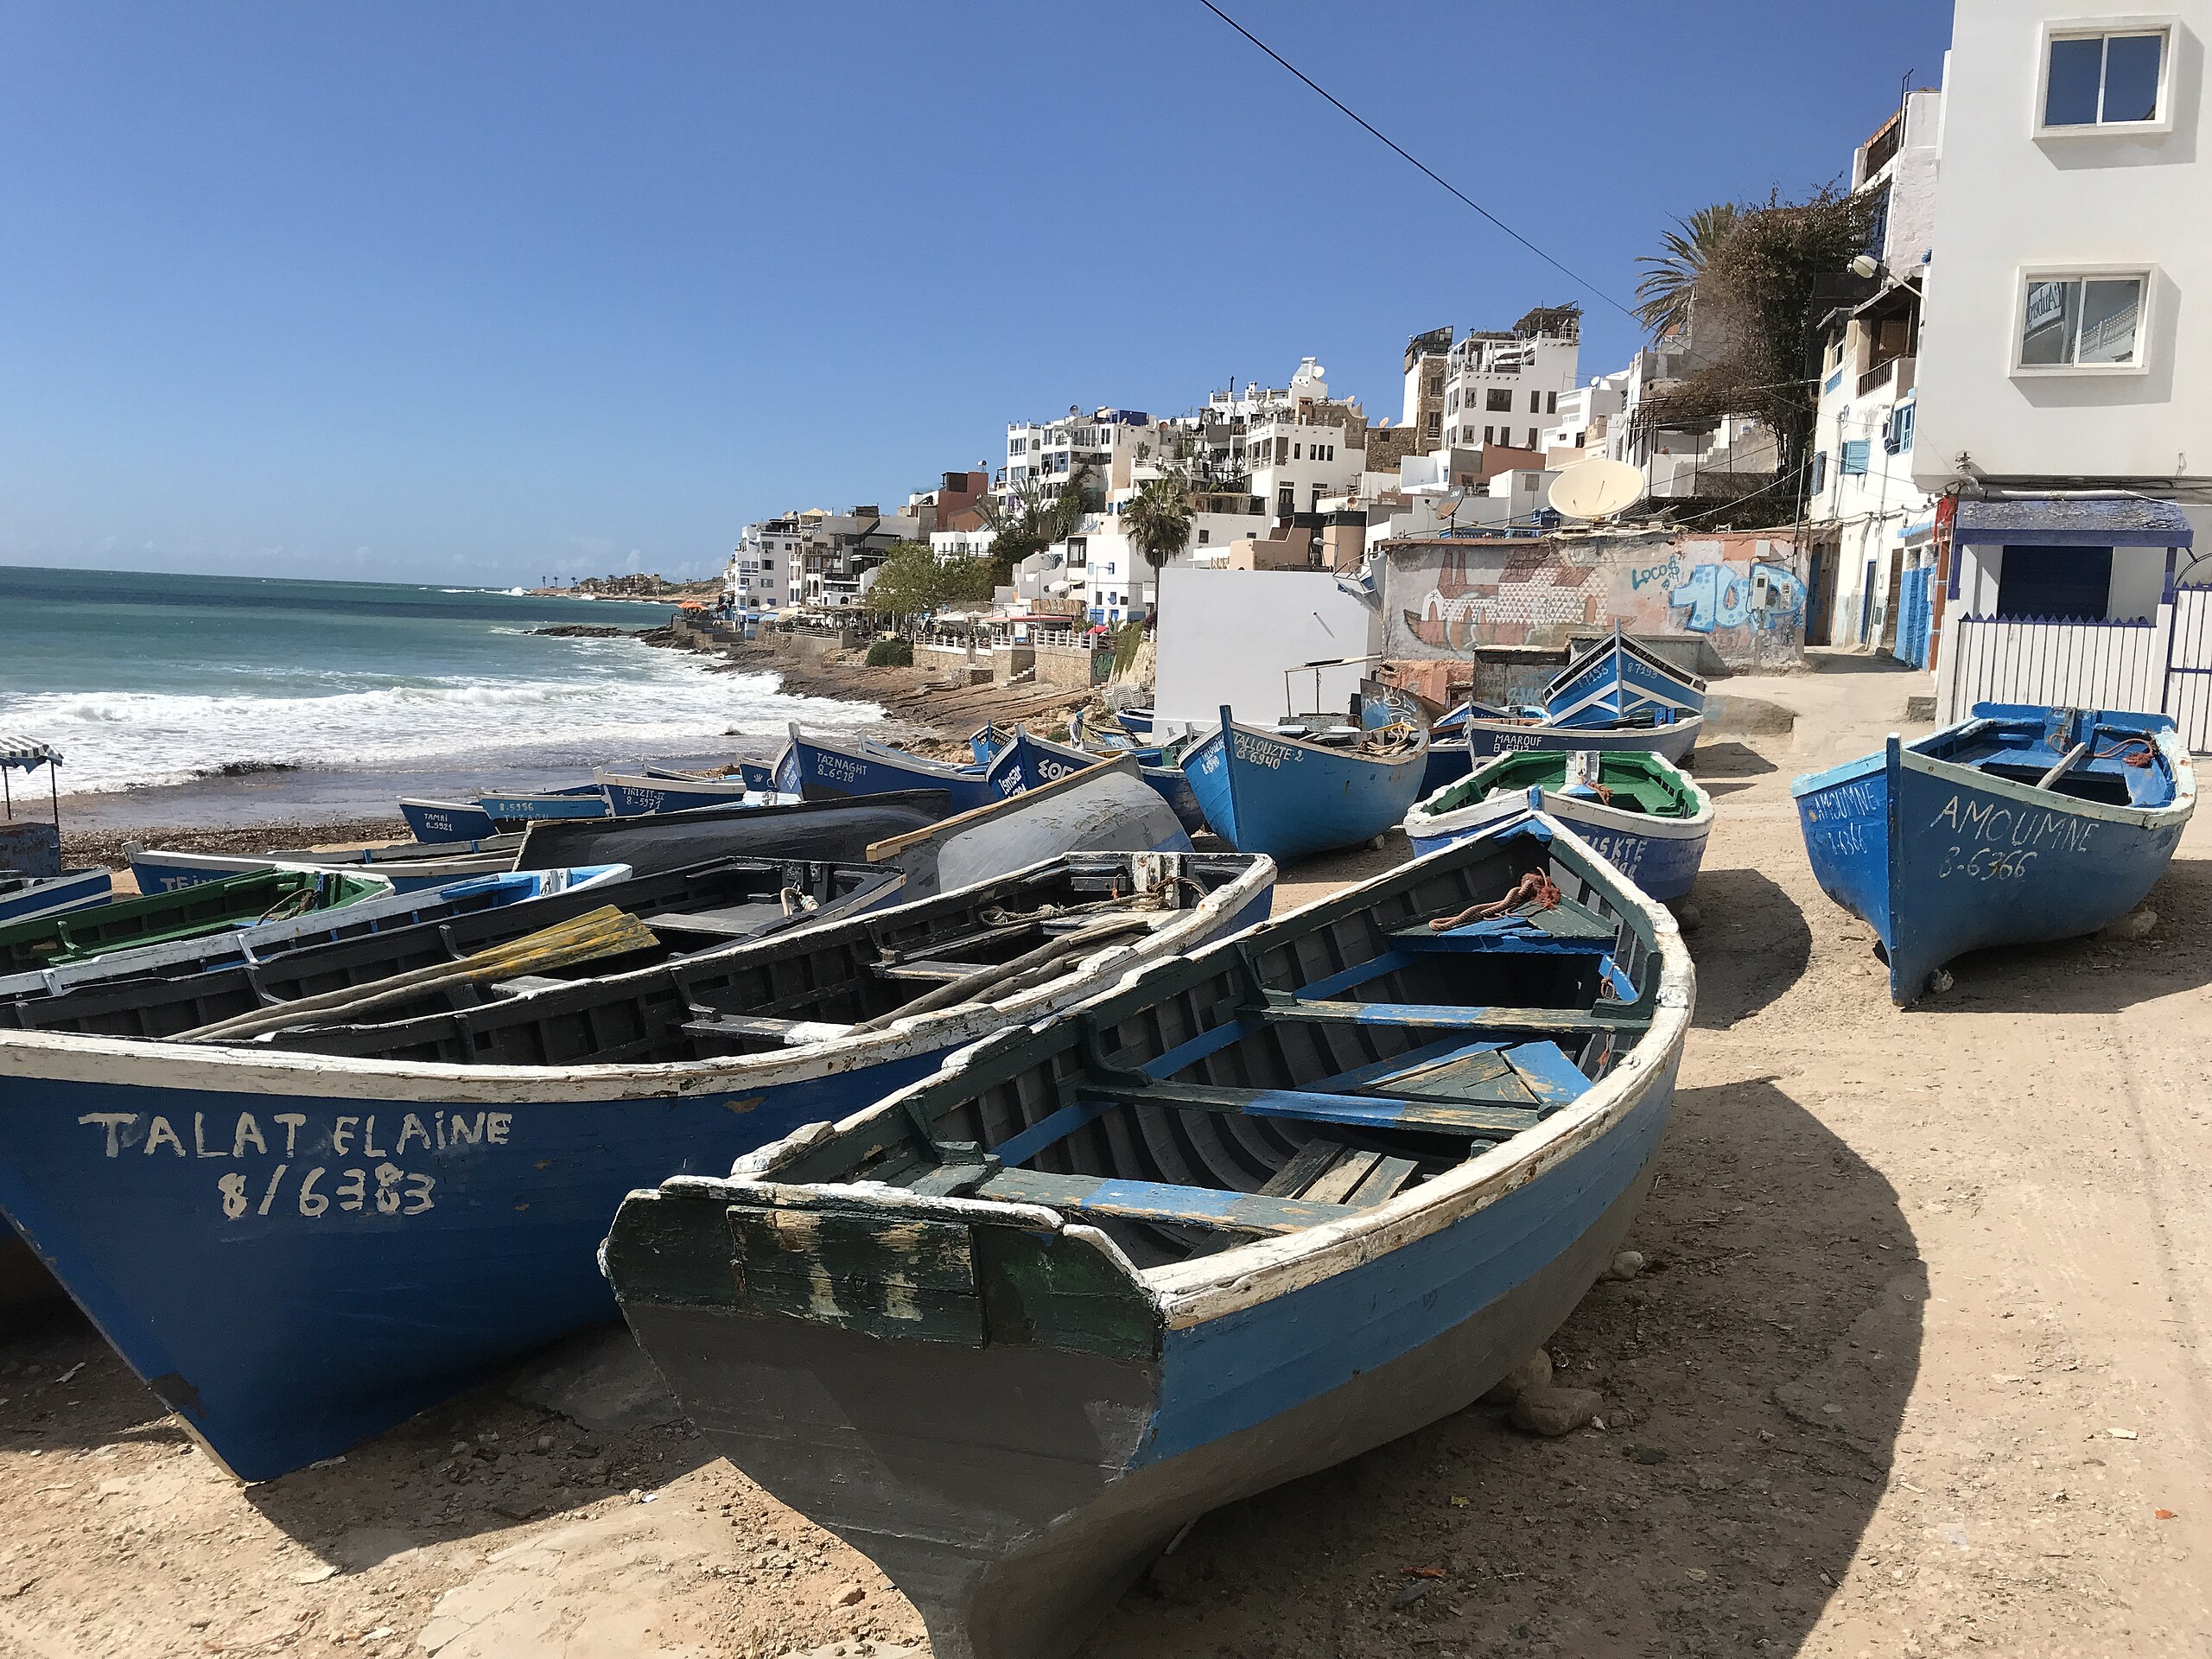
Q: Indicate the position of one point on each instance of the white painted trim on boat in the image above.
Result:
(1694, 726)
(1960, 775)
(250, 1068)
(1423, 825)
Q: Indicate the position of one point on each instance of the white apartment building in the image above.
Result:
(950, 545)
(2065, 364)
(1493, 387)
(766, 571)
(1585, 414)
(1870, 526)
(1107, 444)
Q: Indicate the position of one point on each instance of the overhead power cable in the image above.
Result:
(1416, 162)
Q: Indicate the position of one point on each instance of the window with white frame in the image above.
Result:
(2104, 78)
(2084, 320)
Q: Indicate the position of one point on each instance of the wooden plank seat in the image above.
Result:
(924, 968)
(757, 1027)
(729, 922)
(1157, 1203)
(1427, 1016)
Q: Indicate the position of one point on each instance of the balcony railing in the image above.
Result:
(1879, 376)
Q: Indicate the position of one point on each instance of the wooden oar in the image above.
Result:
(2071, 758)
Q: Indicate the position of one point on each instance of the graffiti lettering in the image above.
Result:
(1669, 572)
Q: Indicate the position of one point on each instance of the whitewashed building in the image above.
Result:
(2064, 403)
(767, 571)
(1871, 528)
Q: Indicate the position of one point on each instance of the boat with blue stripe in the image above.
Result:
(300, 1234)
(1617, 680)
(639, 797)
(1661, 733)
(1642, 815)
(1245, 1216)
(446, 821)
(1290, 793)
(2020, 824)
(758, 775)
(25, 897)
(1039, 759)
(819, 768)
(546, 806)
(409, 866)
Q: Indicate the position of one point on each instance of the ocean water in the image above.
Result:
(143, 679)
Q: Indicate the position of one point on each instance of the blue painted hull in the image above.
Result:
(1940, 858)
(544, 809)
(1619, 679)
(434, 821)
(636, 800)
(820, 772)
(1448, 763)
(1672, 740)
(1037, 761)
(1289, 800)
(57, 895)
(382, 1277)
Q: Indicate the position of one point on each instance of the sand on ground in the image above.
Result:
(1918, 1367)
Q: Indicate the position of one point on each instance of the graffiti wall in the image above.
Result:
(1743, 595)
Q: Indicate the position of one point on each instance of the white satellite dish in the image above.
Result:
(1597, 488)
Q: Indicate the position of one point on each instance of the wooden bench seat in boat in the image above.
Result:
(1211, 1209)
(759, 1027)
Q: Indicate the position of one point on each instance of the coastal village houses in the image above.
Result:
(2012, 434)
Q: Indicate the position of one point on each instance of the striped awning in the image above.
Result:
(26, 753)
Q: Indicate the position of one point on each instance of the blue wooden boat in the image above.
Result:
(300, 1238)
(2020, 824)
(633, 798)
(1670, 737)
(547, 806)
(23, 897)
(1039, 759)
(1289, 796)
(408, 866)
(1642, 815)
(261, 941)
(758, 775)
(1617, 680)
(443, 821)
(817, 768)
(1245, 1216)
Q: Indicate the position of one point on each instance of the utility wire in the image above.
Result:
(1409, 157)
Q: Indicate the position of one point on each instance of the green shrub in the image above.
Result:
(891, 653)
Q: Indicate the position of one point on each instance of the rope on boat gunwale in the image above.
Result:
(2150, 752)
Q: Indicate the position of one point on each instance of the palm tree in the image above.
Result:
(1158, 518)
(1669, 284)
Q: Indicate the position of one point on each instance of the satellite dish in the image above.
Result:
(1597, 488)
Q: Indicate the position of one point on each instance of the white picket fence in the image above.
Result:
(2161, 666)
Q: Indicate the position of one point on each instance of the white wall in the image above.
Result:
(2006, 199)
(1226, 636)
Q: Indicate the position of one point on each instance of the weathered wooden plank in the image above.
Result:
(906, 1277)
(1051, 1291)
(1551, 1079)
(1343, 1178)
(1382, 1182)
(926, 970)
(1435, 1017)
(1302, 1168)
(1156, 1201)
(1419, 1113)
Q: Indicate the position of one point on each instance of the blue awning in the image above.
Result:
(2073, 521)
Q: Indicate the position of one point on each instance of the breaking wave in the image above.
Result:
(620, 704)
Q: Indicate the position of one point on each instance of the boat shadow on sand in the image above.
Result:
(1753, 1379)
(2094, 974)
(1752, 944)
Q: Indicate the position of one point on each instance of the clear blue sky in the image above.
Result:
(491, 291)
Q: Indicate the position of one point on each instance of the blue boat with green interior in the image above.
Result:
(2019, 825)
(1245, 1216)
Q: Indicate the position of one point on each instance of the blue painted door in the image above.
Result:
(1914, 602)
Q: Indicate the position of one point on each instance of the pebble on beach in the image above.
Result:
(1532, 1373)
(1554, 1412)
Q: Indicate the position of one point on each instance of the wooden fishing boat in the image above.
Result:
(1106, 807)
(1670, 737)
(758, 775)
(1247, 1215)
(1289, 796)
(24, 897)
(640, 797)
(2020, 824)
(259, 941)
(446, 821)
(1647, 818)
(1160, 768)
(542, 806)
(408, 866)
(155, 918)
(667, 841)
(1617, 680)
(820, 768)
(300, 1235)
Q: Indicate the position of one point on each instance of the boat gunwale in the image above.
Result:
(1960, 773)
(1421, 824)
(1243, 1276)
(73, 1057)
(1694, 724)
(1418, 752)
